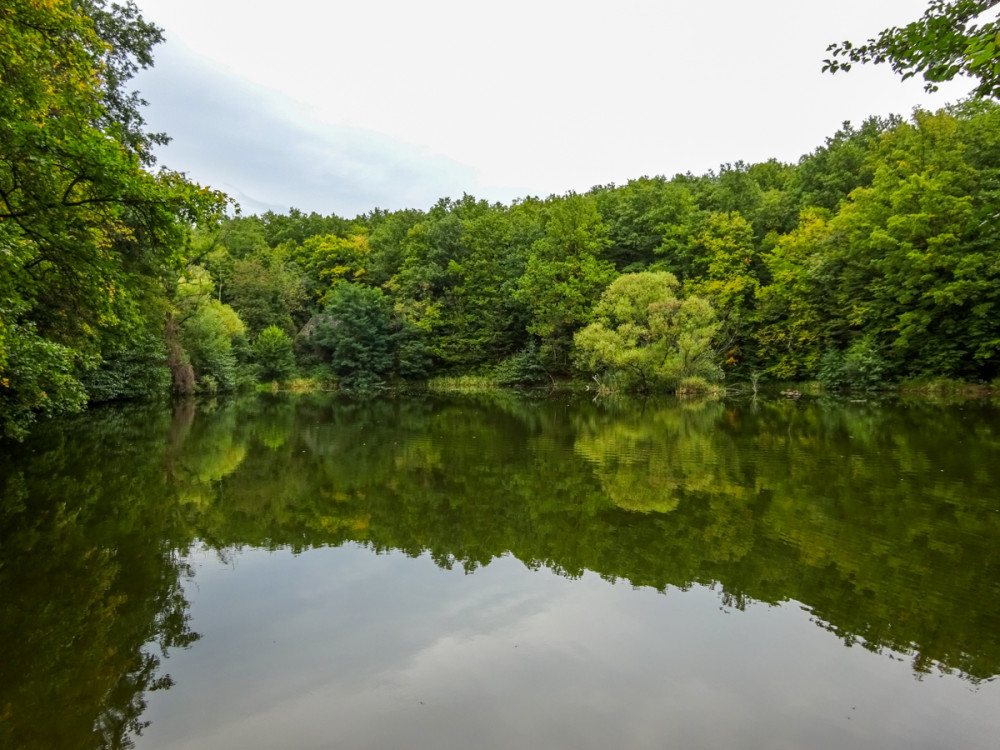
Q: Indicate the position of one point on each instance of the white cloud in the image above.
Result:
(265, 151)
(390, 103)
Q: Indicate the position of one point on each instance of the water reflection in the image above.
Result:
(90, 582)
(883, 520)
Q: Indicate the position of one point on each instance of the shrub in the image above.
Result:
(861, 367)
(695, 386)
(523, 369)
(138, 371)
(273, 353)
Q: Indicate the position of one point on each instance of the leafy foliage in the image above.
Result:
(138, 370)
(85, 230)
(861, 367)
(356, 333)
(881, 242)
(274, 354)
(267, 289)
(328, 260)
(647, 336)
(524, 369)
(37, 379)
(949, 40)
(564, 274)
(907, 261)
(207, 334)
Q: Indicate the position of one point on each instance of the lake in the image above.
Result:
(495, 570)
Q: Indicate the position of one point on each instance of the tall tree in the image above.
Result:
(565, 274)
(906, 271)
(356, 334)
(128, 48)
(486, 322)
(81, 220)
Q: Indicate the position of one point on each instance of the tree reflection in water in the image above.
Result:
(881, 519)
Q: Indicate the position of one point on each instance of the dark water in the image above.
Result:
(497, 572)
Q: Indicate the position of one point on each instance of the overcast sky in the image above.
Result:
(346, 106)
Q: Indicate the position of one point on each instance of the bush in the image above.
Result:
(861, 367)
(413, 359)
(695, 386)
(523, 369)
(37, 378)
(207, 384)
(273, 353)
(137, 372)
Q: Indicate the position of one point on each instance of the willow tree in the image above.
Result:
(648, 336)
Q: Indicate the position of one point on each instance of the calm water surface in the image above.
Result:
(501, 572)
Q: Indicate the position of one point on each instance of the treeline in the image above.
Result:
(874, 259)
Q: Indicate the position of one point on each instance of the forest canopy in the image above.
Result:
(872, 260)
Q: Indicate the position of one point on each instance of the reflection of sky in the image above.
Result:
(345, 648)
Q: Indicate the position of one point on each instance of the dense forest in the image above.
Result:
(875, 259)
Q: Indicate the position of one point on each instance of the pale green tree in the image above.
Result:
(648, 336)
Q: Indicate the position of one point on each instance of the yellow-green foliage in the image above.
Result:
(648, 336)
(462, 383)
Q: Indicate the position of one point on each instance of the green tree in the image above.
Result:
(793, 311)
(297, 226)
(38, 377)
(912, 255)
(423, 289)
(388, 235)
(274, 354)
(908, 264)
(267, 289)
(729, 271)
(128, 47)
(952, 38)
(328, 260)
(83, 226)
(356, 334)
(827, 176)
(208, 330)
(242, 235)
(133, 367)
(207, 335)
(485, 322)
(649, 337)
(565, 274)
(758, 192)
(640, 216)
